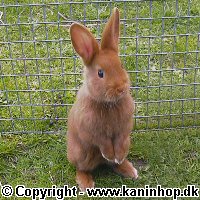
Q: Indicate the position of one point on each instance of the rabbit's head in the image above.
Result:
(104, 76)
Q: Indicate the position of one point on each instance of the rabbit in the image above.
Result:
(101, 119)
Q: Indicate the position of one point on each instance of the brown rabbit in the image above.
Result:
(101, 119)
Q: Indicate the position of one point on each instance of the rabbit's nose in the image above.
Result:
(121, 90)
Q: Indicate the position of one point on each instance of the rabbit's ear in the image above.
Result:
(84, 42)
(110, 37)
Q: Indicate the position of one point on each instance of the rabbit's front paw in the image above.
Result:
(108, 154)
(107, 151)
(120, 155)
(108, 159)
(121, 147)
(119, 161)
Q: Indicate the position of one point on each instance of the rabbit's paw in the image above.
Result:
(127, 170)
(84, 180)
(108, 159)
(118, 161)
(107, 151)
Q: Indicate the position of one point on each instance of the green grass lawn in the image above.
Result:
(168, 158)
(40, 74)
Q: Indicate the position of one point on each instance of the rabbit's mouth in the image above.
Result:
(115, 95)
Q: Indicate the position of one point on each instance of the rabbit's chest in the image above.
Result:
(110, 121)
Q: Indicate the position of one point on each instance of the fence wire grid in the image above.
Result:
(40, 73)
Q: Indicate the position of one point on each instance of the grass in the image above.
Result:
(168, 158)
(36, 94)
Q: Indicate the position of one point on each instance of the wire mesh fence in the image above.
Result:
(40, 73)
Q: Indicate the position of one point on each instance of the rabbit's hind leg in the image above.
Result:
(84, 180)
(126, 169)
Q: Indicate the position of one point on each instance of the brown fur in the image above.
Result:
(101, 119)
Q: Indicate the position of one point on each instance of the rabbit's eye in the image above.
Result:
(100, 73)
